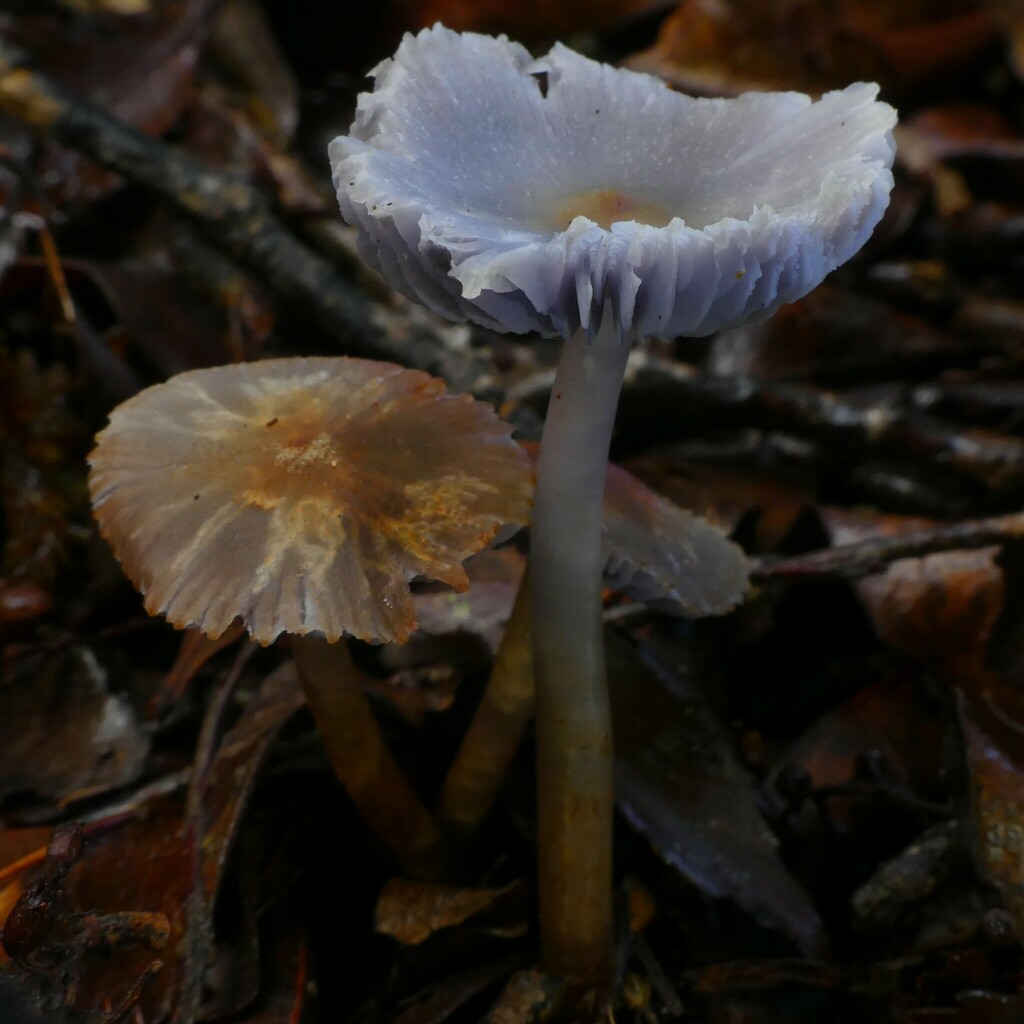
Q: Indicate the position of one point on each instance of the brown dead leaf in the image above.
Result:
(39, 438)
(725, 496)
(679, 784)
(965, 130)
(933, 140)
(244, 43)
(119, 7)
(835, 334)
(725, 47)
(939, 609)
(530, 997)
(22, 850)
(529, 19)
(444, 998)
(890, 719)
(65, 731)
(852, 525)
(228, 784)
(142, 865)
(140, 69)
(173, 310)
(411, 912)
(195, 650)
(943, 610)
(283, 987)
(21, 602)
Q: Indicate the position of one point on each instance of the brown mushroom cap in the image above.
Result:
(302, 495)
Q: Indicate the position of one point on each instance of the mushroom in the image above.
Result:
(301, 496)
(655, 553)
(565, 197)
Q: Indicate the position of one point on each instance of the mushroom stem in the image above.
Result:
(361, 758)
(496, 731)
(574, 739)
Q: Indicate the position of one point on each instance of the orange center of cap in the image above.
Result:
(294, 444)
(605, 206)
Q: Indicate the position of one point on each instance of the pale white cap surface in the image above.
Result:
(465, 166)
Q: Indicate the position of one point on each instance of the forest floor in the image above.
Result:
(821, 799)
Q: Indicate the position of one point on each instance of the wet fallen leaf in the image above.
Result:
(530, 997)
(21, 602)
(965, 130)
(142, 865)
(244, 43)
(141, 69)
(725, 47)
(834, 334)
(241, 754)
(658, 552)
(65, 731)
(529, 19)
(411, 912)
(38, 439)
(195, 651)
(443, 999)
(943, 610)
(162, 314)
(902, 884)
(283, 987)
(893, 721)
(679, 784)
(726, 497)
(940, 608)
(481, 610)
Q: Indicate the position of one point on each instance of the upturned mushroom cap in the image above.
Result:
(525, 195)
(302, 495)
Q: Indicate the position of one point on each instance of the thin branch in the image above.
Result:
(233, 214)
(995, 459)
(874, 554)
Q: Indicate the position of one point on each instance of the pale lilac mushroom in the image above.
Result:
(568, 198)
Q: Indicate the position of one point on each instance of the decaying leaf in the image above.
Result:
(678, 783)
(66, 732)
(530, 19)
(943, 609)
(725, 47)
(412, 911)
(661, 554)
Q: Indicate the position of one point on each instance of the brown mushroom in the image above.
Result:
(302, 496)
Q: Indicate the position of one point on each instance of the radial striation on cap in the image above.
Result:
(529, 194)
(302, 495)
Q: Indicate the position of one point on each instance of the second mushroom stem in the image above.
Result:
(496, 732)
(360, 757)
(574, 738)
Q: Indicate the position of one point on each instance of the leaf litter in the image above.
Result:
(819, 792)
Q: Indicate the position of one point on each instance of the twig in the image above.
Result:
(231, 212)
(868, 556)
(995, 459)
